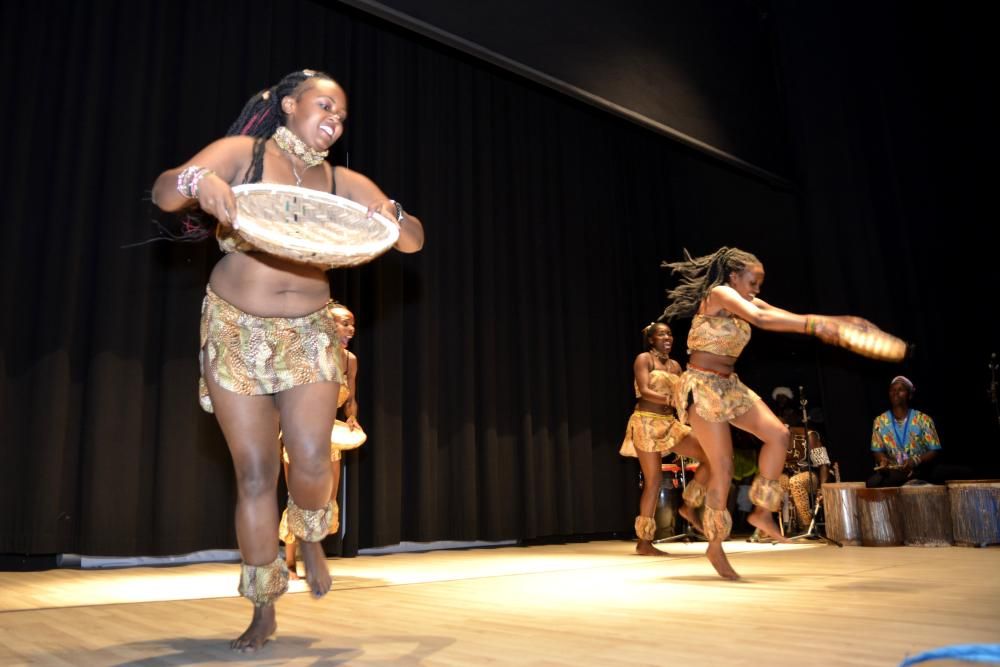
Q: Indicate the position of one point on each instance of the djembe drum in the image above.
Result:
(879, 517)
(840, 502)
(668, 502)
(926, 515)
(975, 511)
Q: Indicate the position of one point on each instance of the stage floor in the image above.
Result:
(588, 603)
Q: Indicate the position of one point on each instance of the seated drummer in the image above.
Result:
(796, 479)
(905, 443)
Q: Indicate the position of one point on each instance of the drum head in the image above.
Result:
(311, 226)
(343, 437)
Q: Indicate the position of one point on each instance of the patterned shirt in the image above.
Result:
(902, 441)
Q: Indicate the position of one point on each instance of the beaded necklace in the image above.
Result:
(291, 144)
(664, 359)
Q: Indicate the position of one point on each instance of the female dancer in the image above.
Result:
(269, 348)
(720, 291)
(347, 399)
(653, 431)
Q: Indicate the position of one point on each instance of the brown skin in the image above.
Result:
(345, 331)
(661, 341)
(738, 298)
(269, 286)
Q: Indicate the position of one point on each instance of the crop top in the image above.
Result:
(718, 334)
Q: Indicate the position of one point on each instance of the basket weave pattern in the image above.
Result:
(873, 343)
(311, 226)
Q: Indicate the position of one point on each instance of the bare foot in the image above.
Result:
(691, 516)
(762, 520)
(717, 557)
(262, 627)
(646, 548)
(293, 573)
(317, 576)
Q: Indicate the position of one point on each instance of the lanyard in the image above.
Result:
(901, 437)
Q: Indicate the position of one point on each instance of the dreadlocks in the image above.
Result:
(699, 275)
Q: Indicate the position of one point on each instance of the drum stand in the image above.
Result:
(689, 533)
(815, 498)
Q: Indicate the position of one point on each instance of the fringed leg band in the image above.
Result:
(309, 525)
(718, 524)
(288, 537)
(263, 584)
(766, 493)
(694, 494)
(645, 528)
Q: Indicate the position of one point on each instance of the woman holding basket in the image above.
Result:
(270, 352)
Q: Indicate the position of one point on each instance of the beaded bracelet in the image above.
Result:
(188, 180)
(184, 180)
(810, 325)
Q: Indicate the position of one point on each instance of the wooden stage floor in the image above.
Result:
(573, 604)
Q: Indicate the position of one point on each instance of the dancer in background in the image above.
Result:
(653, 432)
(346, 399)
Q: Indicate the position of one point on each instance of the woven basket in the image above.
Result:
(872, 342)
(311, 226)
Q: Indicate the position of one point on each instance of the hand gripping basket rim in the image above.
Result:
(311, 226)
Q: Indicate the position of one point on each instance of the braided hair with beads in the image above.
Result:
(262, 114)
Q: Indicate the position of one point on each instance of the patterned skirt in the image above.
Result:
(717, 398)
(252, 356)
(652, 432)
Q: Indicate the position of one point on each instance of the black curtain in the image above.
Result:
(891, 122)
(495, 366)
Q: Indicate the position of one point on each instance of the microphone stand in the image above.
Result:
(815, 498)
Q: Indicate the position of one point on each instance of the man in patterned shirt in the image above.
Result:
(904, 441)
